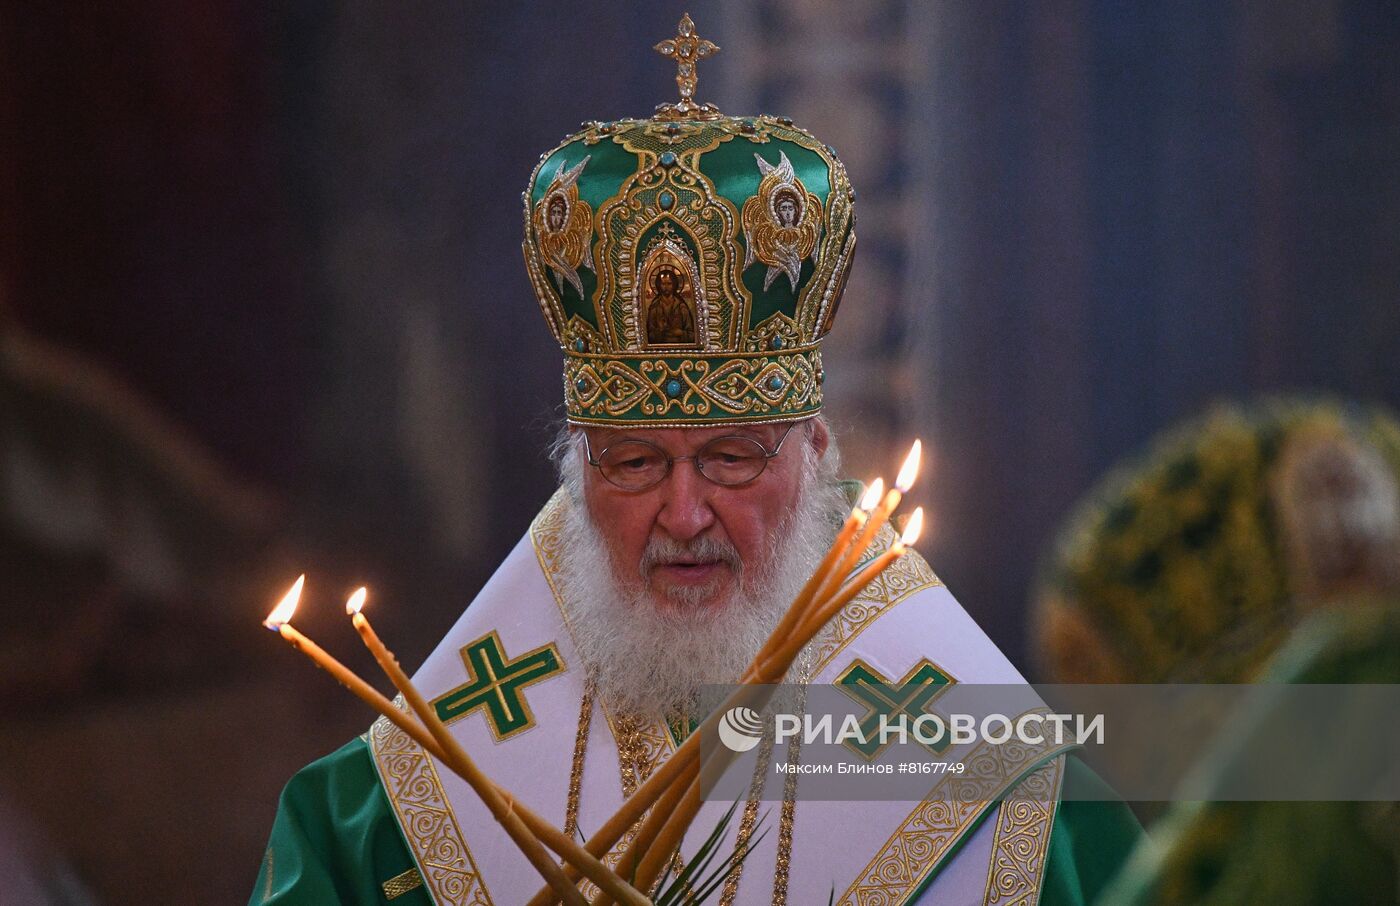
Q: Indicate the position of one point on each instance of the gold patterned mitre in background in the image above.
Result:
(689, 264)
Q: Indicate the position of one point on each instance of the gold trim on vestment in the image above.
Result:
(748, 820)
(267, 888)
(937, 826)
(425, 816)
(585, 723)
(906, 576)
(401, 884)
(1022, 840)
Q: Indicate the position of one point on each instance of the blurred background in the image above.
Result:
(263, 310)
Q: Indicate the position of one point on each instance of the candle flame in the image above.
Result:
(282, 613)
(873, 495)
(910, 470)
(913, 528)
(356, 601)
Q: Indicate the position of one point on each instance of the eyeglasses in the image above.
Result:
(635, 465)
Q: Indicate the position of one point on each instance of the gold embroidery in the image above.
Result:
(782, 223)
(762, 386)
(705, 306)
(635, 760)
(678, 192)
(267, 888)
(425, 816)
(585, 723)
(783, 858)
(778, 332)
(1022, 839)
(906, 576)
(934, 828)
(704, 228)
(749, 819)
(783, 861)
(564, 224)
(399, 885)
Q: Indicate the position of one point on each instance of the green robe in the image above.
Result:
(336, 840)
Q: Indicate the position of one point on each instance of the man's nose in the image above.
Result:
(685, 507)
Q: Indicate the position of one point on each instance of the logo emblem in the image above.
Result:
(740, 729)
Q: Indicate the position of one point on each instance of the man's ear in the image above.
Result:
(818, 436)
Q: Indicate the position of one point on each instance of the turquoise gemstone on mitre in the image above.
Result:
(673, 388)
(775, 383)
(666, 199)
(668, 158)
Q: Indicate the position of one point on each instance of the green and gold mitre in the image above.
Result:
(690, 264)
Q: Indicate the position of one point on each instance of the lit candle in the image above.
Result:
(280, 622)
(832, 606)
(878, 516)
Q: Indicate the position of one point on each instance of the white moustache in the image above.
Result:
(665, 551)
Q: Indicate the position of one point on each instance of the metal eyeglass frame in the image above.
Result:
(672, 460)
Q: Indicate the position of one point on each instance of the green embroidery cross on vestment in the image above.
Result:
(496, 685)
(910, 697)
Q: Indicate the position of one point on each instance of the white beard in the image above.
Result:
(649, 659)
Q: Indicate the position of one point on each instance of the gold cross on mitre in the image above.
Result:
(686, 48)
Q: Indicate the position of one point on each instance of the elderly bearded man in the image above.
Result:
(698, 492)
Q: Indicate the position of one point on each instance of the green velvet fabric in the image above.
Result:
(335, 839)
(1091, 839)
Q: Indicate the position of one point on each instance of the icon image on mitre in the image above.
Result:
(782, 223)
(564, 225)
(668, 284)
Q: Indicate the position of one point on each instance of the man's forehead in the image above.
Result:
(766, 434)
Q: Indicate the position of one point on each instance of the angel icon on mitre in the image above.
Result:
(564, 224)
(782, 222)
